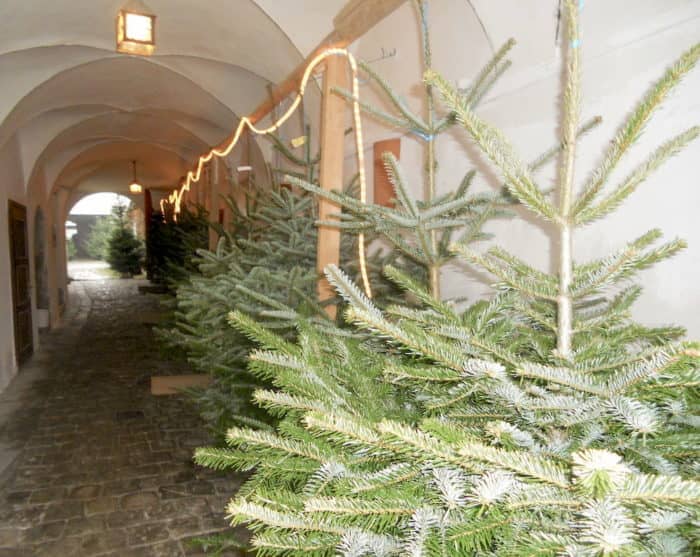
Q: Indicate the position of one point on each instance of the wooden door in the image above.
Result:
(21, 297)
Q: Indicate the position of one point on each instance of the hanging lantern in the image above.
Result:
(136, 28)
(135, 187)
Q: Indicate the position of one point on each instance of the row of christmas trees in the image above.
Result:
(542, 421)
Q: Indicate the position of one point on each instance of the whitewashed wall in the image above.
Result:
(12, 189)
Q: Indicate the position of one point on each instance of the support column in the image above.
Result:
(52, 258)
(147, 220)
(333, 117)
(217, 210)
(61, 213)
(206, 187)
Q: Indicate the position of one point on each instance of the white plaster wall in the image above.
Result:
(626, 45)
(11, 187)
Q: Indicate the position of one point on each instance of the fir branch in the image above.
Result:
(412, 286)
(242, 511)
(266, 442)
(403, 109)
(633, 127)
(647, 489)
(613, 200)
(538, 286)
(496, 147)
(260, 334)
(349, 290)
(373, 111)
(561, 376)
(476, 90)
(523, 463)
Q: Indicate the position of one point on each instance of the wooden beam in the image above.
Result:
(333, 118)
(291, 83)
(359, 16)
(353, 21)
(174, 384)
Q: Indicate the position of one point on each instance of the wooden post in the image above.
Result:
(147, 209)
(331, 171)
(216, 203)
(206, 188)
(147, 221)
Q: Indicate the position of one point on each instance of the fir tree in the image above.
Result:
(172, 246)
(266, 261)
(125, 251)
(97, 244)
(264, 266)
(421, 231)
(542, 422)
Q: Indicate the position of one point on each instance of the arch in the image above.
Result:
(110, 82)
(117, 129)
(86, 215)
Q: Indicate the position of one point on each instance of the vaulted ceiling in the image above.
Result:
(78, 111)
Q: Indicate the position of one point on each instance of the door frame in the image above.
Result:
(22, 353)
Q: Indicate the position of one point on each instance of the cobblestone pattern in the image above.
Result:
(104, 467)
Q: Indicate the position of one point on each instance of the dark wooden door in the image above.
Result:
(21, 297)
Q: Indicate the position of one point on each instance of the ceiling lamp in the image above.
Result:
(135, 187)
(136, 28)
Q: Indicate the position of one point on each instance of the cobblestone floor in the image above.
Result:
(103, 467)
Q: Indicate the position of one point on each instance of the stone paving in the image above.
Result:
(101, 466)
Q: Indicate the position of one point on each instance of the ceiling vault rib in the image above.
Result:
(483, 27)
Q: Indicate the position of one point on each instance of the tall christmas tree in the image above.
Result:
(422, 230)
(542, 422)
(171, 245)
(264, 265)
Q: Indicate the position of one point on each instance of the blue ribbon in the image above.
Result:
(423, 136)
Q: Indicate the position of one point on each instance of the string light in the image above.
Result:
(193, 176)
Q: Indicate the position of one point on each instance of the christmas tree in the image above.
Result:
(541, 422)
(171, 245)
(125, 251)
(265, 266)
(420, 231)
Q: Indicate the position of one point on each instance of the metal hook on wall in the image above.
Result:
(385, 54)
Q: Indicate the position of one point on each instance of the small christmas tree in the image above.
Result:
(542, 422)
(125, 251)
(97, 244)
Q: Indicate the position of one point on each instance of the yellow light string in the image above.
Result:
(175, 198)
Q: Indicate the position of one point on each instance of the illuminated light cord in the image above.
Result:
(175, 198)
